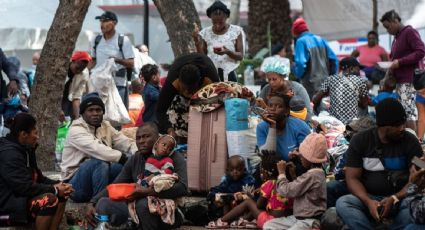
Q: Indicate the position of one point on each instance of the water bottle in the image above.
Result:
(249, 75)
(103, 222)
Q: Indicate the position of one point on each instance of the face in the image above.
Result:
(35, 58)
(164, 146)
(372, 40)
(236, 168)
(218, 19)
(277, 109)
(156, 79)
(77, 67)
(275, 80)
(391, 27)
(282, 53)
(190, 89)
(107, 26)
(30, 138)
(288, 89)
(145, 139)
(93, 115)
(394, 133)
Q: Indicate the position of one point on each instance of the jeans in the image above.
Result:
(335, 189)
(415, 227)
(356, 215)
(118, 214)
(123, 91)
(91, 178)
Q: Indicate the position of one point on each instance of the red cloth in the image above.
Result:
(262, 218)
(81, 56)
(299, 26)
(163, 165)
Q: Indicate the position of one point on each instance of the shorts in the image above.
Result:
(262, 218)
(407, 98)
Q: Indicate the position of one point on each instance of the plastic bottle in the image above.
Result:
(249, 75)
(103, 222)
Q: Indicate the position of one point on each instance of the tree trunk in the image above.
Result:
(375, 23)
(45, 103)
(275, 12)
(235, 6)
(179, 18)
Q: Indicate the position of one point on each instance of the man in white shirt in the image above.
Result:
(116, 46)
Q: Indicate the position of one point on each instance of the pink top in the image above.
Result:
(370, 56)
(275, 200)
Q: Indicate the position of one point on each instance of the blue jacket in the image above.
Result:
(10, 71)
(150, 98)
(314, 61)
(228, 185)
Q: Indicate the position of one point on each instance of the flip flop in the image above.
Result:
(218, 224)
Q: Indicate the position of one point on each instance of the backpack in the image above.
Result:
(129, 71)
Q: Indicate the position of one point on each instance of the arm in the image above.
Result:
(266, 137)
(333, 59)
(415, 43)
(128, 55)
(128, 63)
(7, 68)
(363, 95)
(297, 187)
(200, 44)
(165, 98)
(302, 56)
(355, 53)
(179, 189)
(75, 109)
(238, 53)
(384, 55)
(221, 188)
(317, 98)
(121, 142)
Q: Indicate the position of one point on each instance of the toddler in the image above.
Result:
(386, 90)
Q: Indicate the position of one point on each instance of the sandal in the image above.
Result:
(218, 224)
(238, 223)
(249, 224)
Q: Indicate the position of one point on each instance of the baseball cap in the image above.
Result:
(108, 15)
(349, 62)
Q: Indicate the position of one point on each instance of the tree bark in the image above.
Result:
(275, 12)
(51, 72)
(235, 6)
(375, 23)
(179, 18)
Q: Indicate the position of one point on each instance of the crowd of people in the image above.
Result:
(322, 165)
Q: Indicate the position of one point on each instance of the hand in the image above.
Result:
(267, 117)
(394, 65)
(417, 176)
(291, 170)
(238, 196)
(221, 51)
(90, 213)
(64, 190)
(12, 87)
(293, 154)
(373, 209)
(139, 192)
(260, 103)
(387, 204)
(281, 166)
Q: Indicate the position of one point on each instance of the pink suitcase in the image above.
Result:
(207, 149)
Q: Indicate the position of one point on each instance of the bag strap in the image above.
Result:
(120, 44)
(96, 42)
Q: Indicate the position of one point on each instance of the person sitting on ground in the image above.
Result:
(377, 171)
(188, 74)
(386, 90)
(94, 152)
(160, 161)
(276, 72)
(151, 91)
(77, 84)
(134, 169)
(135, 103)
(25, 193)
(307, 190)
(279, 131)
(269, 205)
(234, 181)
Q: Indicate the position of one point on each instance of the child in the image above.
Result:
(298, 108)
(160, 162)
(308, 190)
(268, 206)
(135, 101)
(151, 91)
(14, 105)
(386, 90)
(236, 177)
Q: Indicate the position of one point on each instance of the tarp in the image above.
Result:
(336, 19)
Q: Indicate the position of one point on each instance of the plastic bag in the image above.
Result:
(62, 132)
(103, 82)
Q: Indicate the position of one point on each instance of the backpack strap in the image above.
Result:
(96, 42)
(120, 44)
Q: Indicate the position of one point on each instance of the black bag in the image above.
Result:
(419, 79)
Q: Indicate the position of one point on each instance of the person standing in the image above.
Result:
(314, 59)
(222, 42)
(407, 50)
(117, 46)
(12, 87)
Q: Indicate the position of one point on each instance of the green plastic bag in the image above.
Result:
(62, 132)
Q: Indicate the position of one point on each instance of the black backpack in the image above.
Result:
(120, 44)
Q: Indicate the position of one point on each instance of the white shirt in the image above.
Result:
(109, 49)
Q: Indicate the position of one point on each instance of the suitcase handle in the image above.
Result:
(214, 158)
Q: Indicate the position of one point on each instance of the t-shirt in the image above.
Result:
(369, 56)
(384, 95)
(294, 133)
(275, 201)
(109, 48)
(363, 152)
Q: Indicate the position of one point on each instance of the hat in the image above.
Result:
(108, 15)
(314, 148)
(89, 100)
(276, 65)
(299, 26)
(81, 56)
(390, 112)
(349, 62)
(218, 5)
(276, 48)
(361, 124)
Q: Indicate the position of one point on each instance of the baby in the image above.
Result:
(386, 90)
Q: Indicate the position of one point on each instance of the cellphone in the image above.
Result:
(418, 162)
(217, 49)
(258, 110)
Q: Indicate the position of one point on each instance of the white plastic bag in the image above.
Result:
(103, 82)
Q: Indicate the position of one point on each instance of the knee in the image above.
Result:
(345, 201)
(102, 205)
(44, 205)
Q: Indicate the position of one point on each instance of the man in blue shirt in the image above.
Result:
(314, 59)
(279, 131)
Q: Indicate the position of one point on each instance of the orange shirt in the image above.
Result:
(135, 105)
